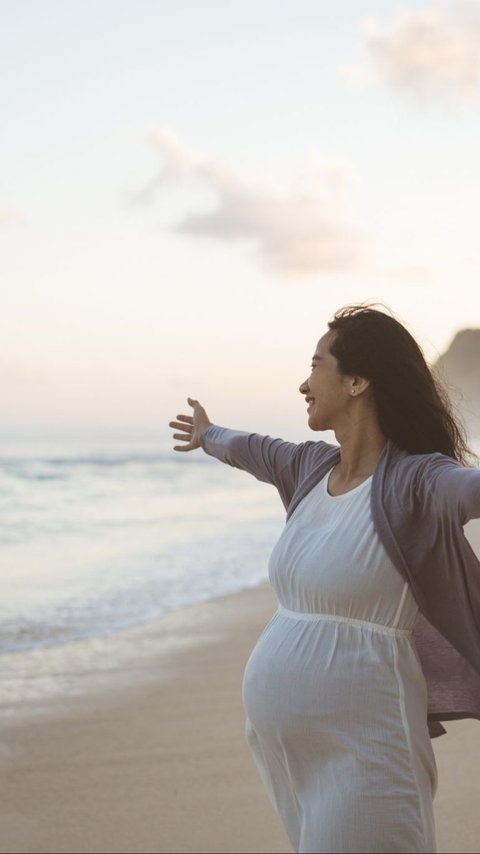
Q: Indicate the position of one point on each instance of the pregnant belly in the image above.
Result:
(322, 676)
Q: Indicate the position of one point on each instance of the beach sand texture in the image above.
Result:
(135, 743)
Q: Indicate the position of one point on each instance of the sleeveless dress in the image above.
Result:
(334, 693)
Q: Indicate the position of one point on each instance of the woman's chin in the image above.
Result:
(316, 423)
(313, 423)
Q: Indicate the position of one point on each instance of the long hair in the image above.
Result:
(413, 407)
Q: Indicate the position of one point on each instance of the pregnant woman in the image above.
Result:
(377, 634)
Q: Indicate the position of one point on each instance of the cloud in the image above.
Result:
(434, 50)
(177, 161)
(303, 229)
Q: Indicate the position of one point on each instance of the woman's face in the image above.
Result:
(328, 388)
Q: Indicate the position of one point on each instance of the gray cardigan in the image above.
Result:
(419, 504)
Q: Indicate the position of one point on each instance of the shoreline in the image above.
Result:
(134, 742)
(34, 682)
(102, 633)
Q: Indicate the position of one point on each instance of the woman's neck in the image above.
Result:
(361, 444)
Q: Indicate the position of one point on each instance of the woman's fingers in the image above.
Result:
(185, 418)
(190, 426)
(178, 425)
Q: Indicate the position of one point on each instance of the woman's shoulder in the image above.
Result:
(421, 463)
(313, 456)
(314, 452)
(410, 476)
(319, 447)
(436, 481)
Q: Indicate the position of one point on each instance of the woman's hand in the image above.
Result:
(192, 428)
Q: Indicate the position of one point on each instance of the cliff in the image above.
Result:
(459, 368)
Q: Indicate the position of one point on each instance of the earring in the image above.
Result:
(353, 391)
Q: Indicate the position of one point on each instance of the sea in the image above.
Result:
(97, 536)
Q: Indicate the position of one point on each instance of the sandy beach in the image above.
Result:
(135, 743)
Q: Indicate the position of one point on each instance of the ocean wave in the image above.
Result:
(60, 468)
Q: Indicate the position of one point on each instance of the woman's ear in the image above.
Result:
(358, 385)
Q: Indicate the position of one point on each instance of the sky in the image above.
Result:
(191, 188)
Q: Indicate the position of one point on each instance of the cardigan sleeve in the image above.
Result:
(454, 488)
(273, 461)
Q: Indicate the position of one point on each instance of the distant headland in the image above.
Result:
(459, 368)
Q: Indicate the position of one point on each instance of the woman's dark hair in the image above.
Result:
(413, 407)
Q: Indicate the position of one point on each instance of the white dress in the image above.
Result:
(334, 693)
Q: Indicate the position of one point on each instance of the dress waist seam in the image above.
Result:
(334, 618)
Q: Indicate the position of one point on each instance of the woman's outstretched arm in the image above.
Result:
(269, 460)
